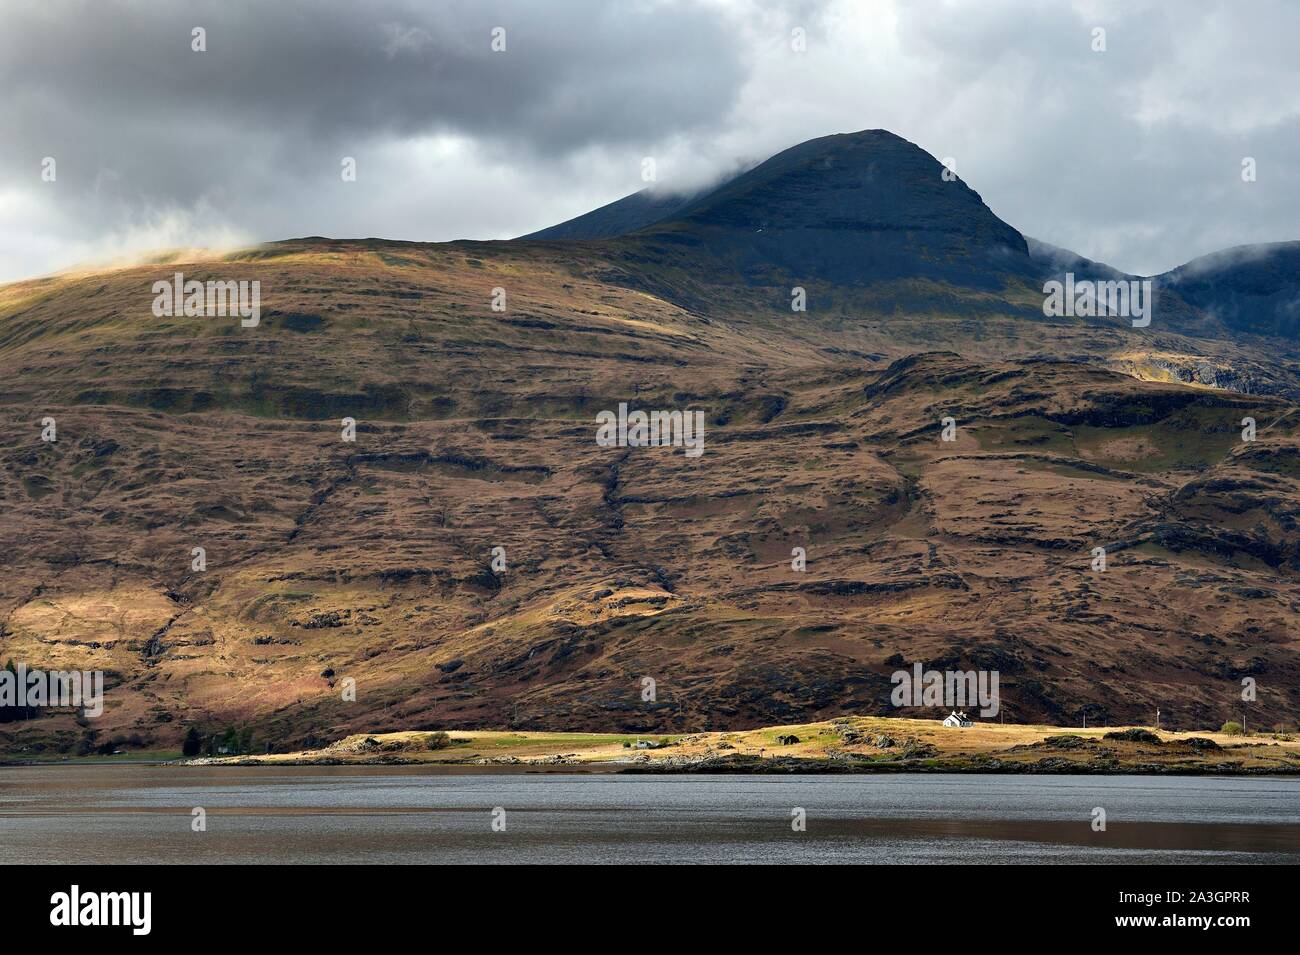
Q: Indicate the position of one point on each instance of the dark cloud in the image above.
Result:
(117, 84)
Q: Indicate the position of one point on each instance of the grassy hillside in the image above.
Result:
(370, 561)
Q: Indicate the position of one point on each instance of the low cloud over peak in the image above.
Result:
(1130, 155)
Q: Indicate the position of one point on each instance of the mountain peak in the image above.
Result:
(849, 207)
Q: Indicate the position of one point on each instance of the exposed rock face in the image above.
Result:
(1244, 375)
(1134, 736)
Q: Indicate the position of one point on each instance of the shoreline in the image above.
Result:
(846, 745)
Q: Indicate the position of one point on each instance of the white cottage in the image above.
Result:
(958, 719)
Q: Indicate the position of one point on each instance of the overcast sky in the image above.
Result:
(1132, 155)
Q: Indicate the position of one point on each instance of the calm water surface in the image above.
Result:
(142, 814)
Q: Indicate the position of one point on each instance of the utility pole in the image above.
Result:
(1157, 717)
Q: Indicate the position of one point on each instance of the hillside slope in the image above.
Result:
(329, 560)
(371, 560)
